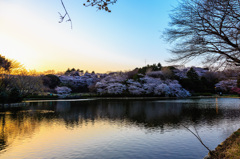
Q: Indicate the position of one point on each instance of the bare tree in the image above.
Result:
(27, 83)
(100, 4)
(209, 29)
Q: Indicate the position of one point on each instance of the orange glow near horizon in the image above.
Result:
(127, 38)
(40, 45)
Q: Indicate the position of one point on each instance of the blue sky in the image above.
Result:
(99, 41)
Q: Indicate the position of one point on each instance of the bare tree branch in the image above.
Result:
(62, 17)
(101, 5)
(200, 28)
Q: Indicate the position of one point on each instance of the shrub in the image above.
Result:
(14, 96)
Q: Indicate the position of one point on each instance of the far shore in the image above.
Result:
(122, 98)
(86, 98)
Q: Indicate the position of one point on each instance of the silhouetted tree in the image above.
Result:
(14, 95)
(16, 82)
(149, 68)
(51, 81)
(192, 74)
(68, 71)
(159, 66)
(73, 69)
(206, 28)
(5, 64)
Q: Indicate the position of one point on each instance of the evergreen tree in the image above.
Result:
(192, 74)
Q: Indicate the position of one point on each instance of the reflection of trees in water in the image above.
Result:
(23, 121)
(15, 126)
(147, 113)
(19, 122)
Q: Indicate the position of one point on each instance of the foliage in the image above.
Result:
(51, 81)
(192, 75)
(146, 69)
(14, 95)
(74, 72)
(236, 90)
(145, 86)
(3, 96)
(16, 82)
(156, 74)
(80, 83)
(63, 91)
(206, 28)
(192, 81)
(27, 83)
(197, 80)
(226, 85)
(168, 72)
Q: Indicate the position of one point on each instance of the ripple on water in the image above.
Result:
(119, 129)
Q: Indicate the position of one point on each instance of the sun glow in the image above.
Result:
(100, 42)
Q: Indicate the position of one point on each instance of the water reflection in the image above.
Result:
(19, 122)
(216, 105)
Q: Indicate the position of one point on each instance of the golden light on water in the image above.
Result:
(24, 136)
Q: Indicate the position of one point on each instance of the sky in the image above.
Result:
(126, 38)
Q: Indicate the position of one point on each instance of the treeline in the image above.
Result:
(16, 83)
(198, 81)
(190, 78)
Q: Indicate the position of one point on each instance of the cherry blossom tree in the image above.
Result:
(134, 87)
(226, 85)
(145, 86)
(63, 91)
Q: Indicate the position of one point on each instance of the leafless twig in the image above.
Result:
(101, 5)
(62, 17)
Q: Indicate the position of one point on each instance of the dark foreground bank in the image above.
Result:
(229, 149)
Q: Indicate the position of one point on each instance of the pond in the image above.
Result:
(120, 128)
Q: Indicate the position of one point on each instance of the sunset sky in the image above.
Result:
(99, 41)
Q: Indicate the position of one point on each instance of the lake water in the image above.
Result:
(116, 128)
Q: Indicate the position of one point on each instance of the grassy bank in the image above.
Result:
(229, 149)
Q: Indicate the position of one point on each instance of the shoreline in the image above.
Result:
(122, 98)
(86, 98)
